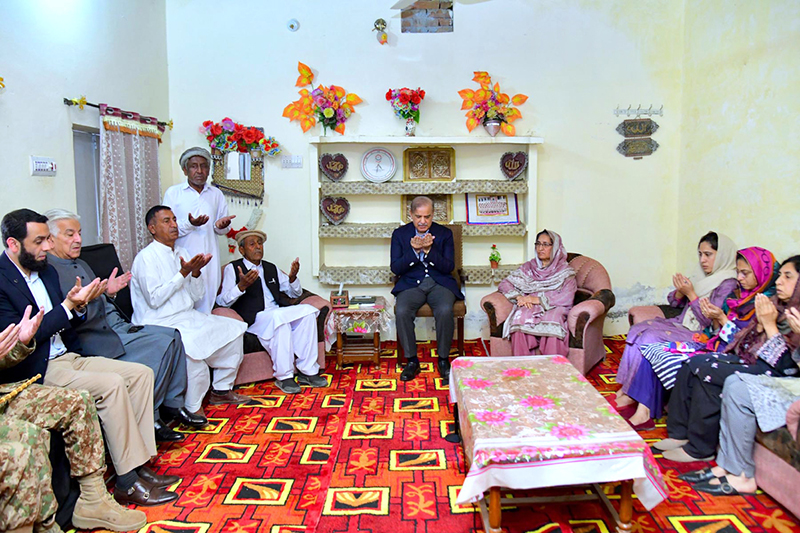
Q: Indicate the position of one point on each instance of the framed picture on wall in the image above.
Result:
(492, 208)
(442, 208)
(429, 164)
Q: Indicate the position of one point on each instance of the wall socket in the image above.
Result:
(42, 166)
(292, 161)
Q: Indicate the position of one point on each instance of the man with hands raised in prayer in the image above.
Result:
(259, 292)
(195, 204)
(167, 282)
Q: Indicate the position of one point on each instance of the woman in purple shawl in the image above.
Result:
(715, 281)
(542, 291)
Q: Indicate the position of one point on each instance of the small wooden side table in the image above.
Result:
(364, 320)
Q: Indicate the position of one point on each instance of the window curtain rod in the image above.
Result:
(81, 103)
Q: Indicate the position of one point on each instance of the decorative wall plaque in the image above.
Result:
(335, 209)
(429, 164)
(513, 164)
(442, 207)
(492, 208)
(334, 166)
(637, 148)
(637, 127)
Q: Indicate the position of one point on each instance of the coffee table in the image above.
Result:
(532, 422)
(365, 320)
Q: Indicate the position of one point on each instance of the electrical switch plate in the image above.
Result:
(292, 161)
(42, 166)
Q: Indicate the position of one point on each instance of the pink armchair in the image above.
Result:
(585, 320)
(777, 458)
(257, 364)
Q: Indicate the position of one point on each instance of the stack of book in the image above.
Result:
(362, 302)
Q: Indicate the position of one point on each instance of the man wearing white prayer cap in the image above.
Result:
(258, 291)
(196, 204)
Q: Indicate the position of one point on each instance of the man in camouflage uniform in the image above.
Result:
(28, 499)
(26, 494)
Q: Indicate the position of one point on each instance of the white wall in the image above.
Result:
(113, 52)
(577, 61)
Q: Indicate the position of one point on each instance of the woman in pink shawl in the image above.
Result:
(542, 291)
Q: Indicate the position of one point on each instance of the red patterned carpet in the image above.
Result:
(367, 454)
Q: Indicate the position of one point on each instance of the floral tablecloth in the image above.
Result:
(535, 421)
(373, 319)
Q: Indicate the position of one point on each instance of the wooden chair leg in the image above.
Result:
(460, 326)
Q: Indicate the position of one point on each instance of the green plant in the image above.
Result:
(495, 255)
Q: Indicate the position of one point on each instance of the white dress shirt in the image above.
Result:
(39, 292)
(183, 199)
(273, 315)
(161, 296)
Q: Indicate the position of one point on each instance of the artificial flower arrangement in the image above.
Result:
(494, 256)
(405, 102)
(488, 103)
(229, 136)
(331, 105)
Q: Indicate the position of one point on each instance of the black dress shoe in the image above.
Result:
(444, 370)
(143, 493)
(410, 371)
(182, 416)
(154, 479)
(697, 476)
(164, 433)
(723, 489)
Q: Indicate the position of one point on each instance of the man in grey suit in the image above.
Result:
(107, 332)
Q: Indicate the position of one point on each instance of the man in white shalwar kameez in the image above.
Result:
(202, 214)
(165, 285)
(258, 291)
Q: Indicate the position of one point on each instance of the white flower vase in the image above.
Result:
(411, 127)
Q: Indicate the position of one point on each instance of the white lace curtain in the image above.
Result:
(130, 181)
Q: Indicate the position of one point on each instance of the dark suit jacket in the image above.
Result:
(14, 297)
(96, 333)
(411, 271)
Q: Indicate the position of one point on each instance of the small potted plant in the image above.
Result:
(494, 257)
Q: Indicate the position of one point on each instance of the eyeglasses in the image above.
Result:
(538, 244)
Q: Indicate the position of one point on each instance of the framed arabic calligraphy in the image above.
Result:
(637, 127)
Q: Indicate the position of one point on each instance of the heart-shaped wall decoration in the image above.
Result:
(513, 164)
(334, 166)
(335, 209)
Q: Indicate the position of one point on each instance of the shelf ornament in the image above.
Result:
(405, 103)
(331, 105)
(488, 105)
(494, 257)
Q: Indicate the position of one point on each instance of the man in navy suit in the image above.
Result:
(423, 258)
(122, 391)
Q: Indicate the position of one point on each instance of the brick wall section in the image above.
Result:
(427, 16)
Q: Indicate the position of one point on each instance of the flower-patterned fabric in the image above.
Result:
(530, 422)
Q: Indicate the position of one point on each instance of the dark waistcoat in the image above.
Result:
(251, 302)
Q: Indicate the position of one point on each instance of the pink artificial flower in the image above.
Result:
(461, 363)
(493, 418)
(538, 402)
(516, 373)
(477, 383)
(227, 124)
(559, 360)
(568, 431)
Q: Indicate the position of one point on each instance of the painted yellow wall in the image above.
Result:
(576, 60)
(741, 99)
(112, 52)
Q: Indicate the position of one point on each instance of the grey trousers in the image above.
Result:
(737, 435)
(441, 301)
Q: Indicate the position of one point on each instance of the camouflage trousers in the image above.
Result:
(68, 411)
(26, 492)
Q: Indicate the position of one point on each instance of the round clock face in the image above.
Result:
(378, 165)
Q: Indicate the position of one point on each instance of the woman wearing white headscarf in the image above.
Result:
(715, 280)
